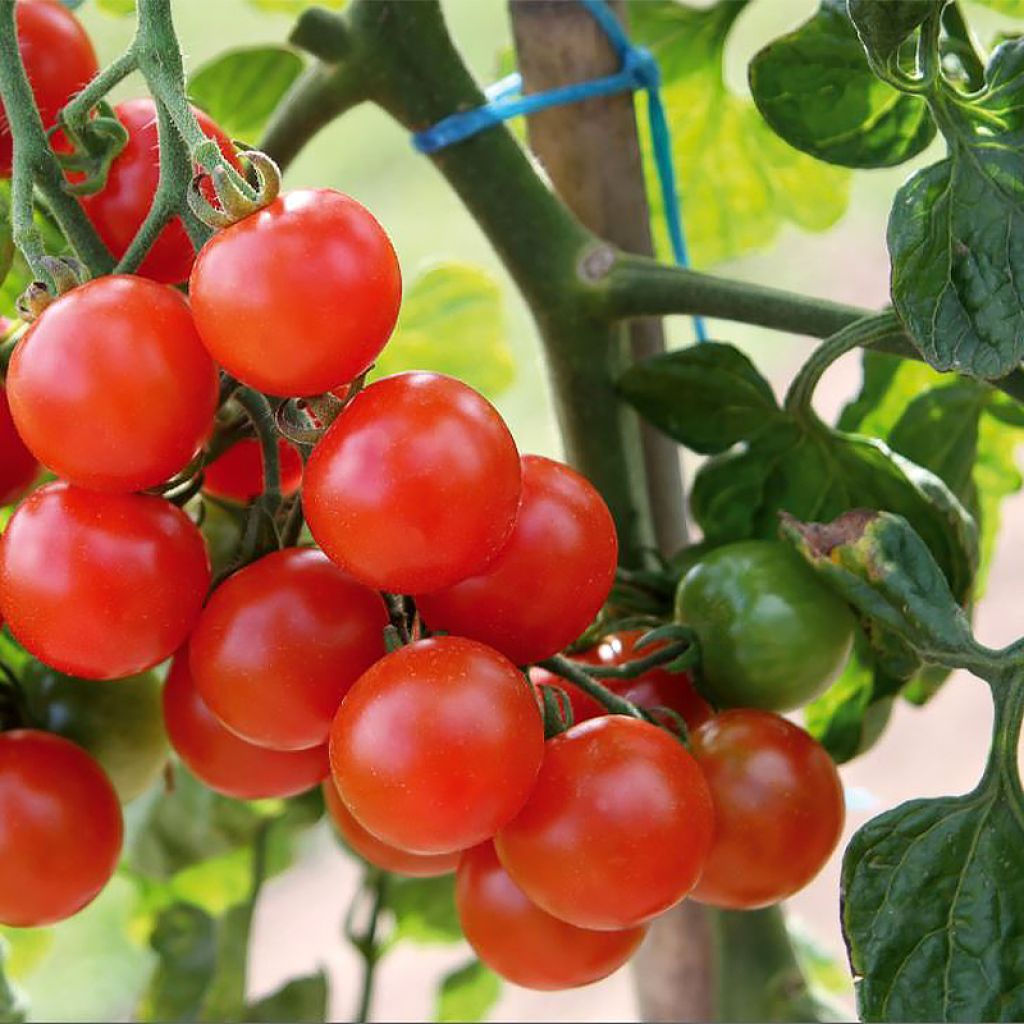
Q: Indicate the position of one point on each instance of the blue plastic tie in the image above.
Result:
(639, 70)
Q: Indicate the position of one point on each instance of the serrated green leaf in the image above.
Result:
(815, 88)
(300, 1000)
(424, 909)
(708, 397)
(933, 908)
(739, 182)
(467, 993)
(884, 27)
(452, 322)
(955, 232)
(241, 88)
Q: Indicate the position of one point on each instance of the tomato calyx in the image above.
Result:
(557, 709)
(65, 273)
(236, 197)
(96, 143)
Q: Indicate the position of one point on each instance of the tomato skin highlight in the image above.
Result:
(617, 829)
(415, 486)
(564, 535)
(111, 387)
(378, 853)
(119, 208)
(224, 762)
(59, 60)
(301, 296)
(279, 644)
(772, 635)
(437, 745)
(237, 475)
(525, 944)
(118, 722)
(101, 585)
(779, 808)
(60, 828)
(18, 466)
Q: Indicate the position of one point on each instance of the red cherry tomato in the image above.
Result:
(18, 467)
(222, 761)
(118, 210)
(778, 808)
(525, 944)
(101, 585)
(437, 746)
(61, 834)
(549, 580)
(238, 474)
(617, 828)
(415, 486)
(59, 60)
(301, 296)
(380, 854)
(111, 387)
(280, 642)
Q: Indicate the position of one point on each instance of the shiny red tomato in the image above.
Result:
(656, 688)
(59, 60)
(111, 387)
(61, 834)
(415, 486)
(280, 642)
(378, 853)
(525, 944)
(18, 467)
(118, 210)
(224, 762)
(548, 582)
(437, 746)
(101, 585)
(301, 296)
(778, 808)
(238, 474)
(616, 830)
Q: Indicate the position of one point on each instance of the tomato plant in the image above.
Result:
(291, 528)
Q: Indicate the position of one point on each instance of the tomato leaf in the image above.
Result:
(424, 909)
(185, 940)
(957, 261)
(727, 158)
(816, 89)
(301, 999)
(241, 88)
(884, 27)
(933, 906)
(451, 322)
(467, 993)
(708, 397)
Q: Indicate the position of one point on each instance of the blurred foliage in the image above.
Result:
(467, 993)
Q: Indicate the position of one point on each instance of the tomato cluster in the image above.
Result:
(388, 661)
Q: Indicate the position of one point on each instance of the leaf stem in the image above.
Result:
(578, 676)
(366, 940)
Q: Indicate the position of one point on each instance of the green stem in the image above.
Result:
(366, 941)
(578, 676)
(75, 115)
(262, 416)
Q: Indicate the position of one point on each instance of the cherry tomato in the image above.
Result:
(111, 387)
(59, 60)
(525, 944)
(119, 208)
(415, 486)
(18, 467)
(101, 585)
(237, 475)
(772, 635)
(280, 642)
(563, 536)
(437, 746)
(119, 722)
(300, 297)
(617, 829)
(62, 828)
(778, 808)
(657, 687)
(224, 762)
(380, 854)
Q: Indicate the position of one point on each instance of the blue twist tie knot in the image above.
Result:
(639, 63)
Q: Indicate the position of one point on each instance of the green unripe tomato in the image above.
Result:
(772, 636)
(120, 721)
